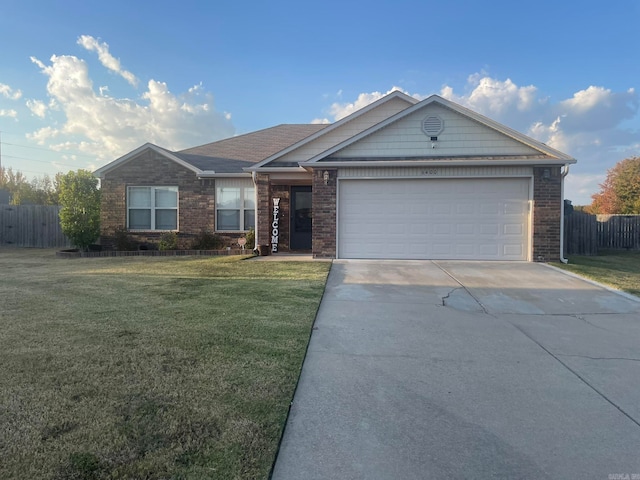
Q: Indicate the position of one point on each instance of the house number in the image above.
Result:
(430, 171)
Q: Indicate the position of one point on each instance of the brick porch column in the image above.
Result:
(324, 213)
(547, 206)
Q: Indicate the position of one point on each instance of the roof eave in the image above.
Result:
(212, 174)
(442, 162)
(274, 169)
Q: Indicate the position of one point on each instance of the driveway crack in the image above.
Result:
(583, 319)
(484, 309)
(599, 358)
(444, 299)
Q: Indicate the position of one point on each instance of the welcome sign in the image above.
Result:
(275, 225)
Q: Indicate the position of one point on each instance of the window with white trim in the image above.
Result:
(152, 208)
(235, 207)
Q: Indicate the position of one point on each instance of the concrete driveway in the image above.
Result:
(442, 369)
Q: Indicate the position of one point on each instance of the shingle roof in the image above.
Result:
(232, 154)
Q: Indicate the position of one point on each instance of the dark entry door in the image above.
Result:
(300, 218)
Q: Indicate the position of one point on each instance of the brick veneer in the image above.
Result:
(264, 205)
(196, 207)
(547, 204)
(324, 214)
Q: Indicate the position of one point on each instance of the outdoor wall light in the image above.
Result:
(325, 177)
(546, 174)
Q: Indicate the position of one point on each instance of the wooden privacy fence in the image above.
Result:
(619, 231)
(584, 234)
(31, 226)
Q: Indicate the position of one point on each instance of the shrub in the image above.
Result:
(206, 240)
(80, 214)
(122, 241)
(168, 241)
(251, 239)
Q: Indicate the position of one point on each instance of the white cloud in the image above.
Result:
(321, 121)
(598, 108)
(340, 110)
(43, 135)
(554, 136)
(37, 107)
(7, 92)
(8, 113)
(109, 127)
(107, 60)
(492, 96)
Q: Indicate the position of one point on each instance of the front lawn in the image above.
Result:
(619, 269)
(148, 367)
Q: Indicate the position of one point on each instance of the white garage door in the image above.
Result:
(470, 219)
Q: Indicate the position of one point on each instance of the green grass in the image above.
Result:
(148, 367)
(618, 269)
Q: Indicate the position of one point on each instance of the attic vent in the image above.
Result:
(432, 126)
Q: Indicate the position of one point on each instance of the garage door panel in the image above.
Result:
(439, 208)
(434, 218)
(513, 250)
(513, 229)
(489, 229)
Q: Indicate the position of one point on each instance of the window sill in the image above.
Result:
(152, 231)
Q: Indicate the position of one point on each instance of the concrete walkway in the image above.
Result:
(420, 370)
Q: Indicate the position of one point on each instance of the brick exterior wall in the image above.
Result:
(196, 208)
(264, 205)
(547, 205)
(324, 214)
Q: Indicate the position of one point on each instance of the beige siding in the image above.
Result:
(461, 137)
(431, 172)
(345, 132)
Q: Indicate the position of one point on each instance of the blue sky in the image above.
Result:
(82, 83)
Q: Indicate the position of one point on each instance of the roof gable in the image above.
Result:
(101, 172)
(465, 134)
(339, 131)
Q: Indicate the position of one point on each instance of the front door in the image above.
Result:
(300, 218)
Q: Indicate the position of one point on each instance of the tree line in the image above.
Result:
(22, 191)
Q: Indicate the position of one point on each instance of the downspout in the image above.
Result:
(255, 217)
(564, 174)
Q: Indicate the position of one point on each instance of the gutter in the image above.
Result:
(212, 174)
(255, 216)
(564, 174)
(440, 162)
